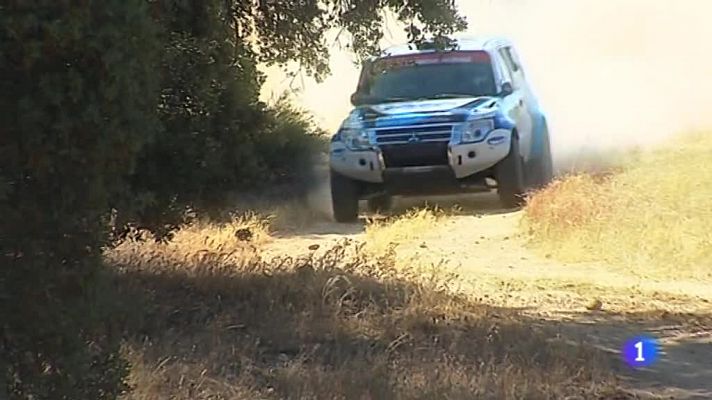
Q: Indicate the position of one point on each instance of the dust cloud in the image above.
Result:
(319, 195)
(611, 75)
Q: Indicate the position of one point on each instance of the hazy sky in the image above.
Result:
(608, 72)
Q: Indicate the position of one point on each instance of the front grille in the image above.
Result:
(414, 134)
(414, 146)
(415, 154)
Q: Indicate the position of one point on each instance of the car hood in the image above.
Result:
(425, 111)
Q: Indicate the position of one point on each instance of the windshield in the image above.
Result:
(431, 80)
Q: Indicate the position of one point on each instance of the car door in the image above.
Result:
(519, 99)
(525, 123)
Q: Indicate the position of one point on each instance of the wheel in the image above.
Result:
(344, 197)
(510, 177)
(542, 171)
(380, 203)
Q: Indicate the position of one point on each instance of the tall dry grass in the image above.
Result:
(196, 244)
(653, 217)
(209, 318)
(383, 234)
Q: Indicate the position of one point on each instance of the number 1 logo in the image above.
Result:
(641, 351)
(639, 357)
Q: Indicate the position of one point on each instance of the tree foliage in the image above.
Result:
(286, 31)
(137, 108)
(77, 106)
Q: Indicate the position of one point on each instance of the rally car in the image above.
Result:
(436, 120)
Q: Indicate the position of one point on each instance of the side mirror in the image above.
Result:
(507, 89)
(356, 98)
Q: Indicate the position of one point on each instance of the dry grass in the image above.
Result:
(210, 319)
(394, 231)
(197, 244)
(654, 217)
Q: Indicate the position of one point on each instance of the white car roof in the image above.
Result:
(465, 43)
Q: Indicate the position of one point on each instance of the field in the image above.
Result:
(654, 219)
(459, 300)
(217, 321)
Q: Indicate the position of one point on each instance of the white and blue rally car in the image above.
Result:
(440, 119)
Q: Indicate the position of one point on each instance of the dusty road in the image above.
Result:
(595, 303)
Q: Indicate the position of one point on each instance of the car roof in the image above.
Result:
(461, 42)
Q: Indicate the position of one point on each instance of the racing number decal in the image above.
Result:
(389, 63)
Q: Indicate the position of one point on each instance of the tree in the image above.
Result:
(79, 100)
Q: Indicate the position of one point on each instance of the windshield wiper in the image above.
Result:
(393, 99)
(450, 96)
(376, 100)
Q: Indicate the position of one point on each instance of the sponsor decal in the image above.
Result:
(392, 62)
(496, 140)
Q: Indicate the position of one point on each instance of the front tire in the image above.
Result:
(344, 197)
(510, 176)
(542, 170)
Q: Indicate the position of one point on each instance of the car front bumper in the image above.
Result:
(464, 159)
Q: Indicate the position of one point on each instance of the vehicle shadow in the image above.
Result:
(459, 204)
(323, 224)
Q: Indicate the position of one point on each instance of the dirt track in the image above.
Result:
(484, 246)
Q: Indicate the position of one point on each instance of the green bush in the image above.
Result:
(290, 143)
(217, 136)
(209, 117)
(79, 94)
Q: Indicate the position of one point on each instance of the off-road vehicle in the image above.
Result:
(442, 119)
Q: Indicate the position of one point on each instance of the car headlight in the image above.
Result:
(476, 130)
(353, 134)
(355, 138)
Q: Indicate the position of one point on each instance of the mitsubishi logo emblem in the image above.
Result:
(413, 138)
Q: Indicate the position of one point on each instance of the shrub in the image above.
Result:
(290, 143)
(217, 136)
(78, 103)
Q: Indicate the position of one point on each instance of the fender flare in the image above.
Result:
(541, 128)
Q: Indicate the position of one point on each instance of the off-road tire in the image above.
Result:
(510, 177)
(379, 204)
(344, 197)
(542, 170)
